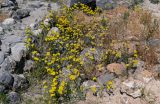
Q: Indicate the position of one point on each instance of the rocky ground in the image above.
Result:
(141, 87)
(13, 55)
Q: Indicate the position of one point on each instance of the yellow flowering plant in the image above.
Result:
(59, 54)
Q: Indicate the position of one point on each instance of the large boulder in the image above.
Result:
(107, 4)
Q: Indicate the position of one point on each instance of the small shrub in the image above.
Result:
(3, 98)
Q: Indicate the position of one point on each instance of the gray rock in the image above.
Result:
(106, 4)
(20, 82)
(8, 21)
(132, 87)
(8, 64)
(46, 21)
(154, 42)
(12, 39)
(5, 48)
(88, 84)
(33, 26)
(80, 1)
(21, 13)
(53, 30)
(14, 98)
(97, 54)
(103, 79)
(85, 55)
(9, 3)
(37, 32)
(35, 5)
(156, 68)
(1, 31)
(29, 64)
(6, 79)
(18, 51)
(1, 57)
(2, 88)
(152, 92)
(20, 1)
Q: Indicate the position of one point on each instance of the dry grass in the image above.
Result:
(137, 24)
(132, 25)
(147, 54)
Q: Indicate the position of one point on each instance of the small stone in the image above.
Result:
(14, 98)
(20, 82)
(46, 22)
(34, 26)
(88, 84)
(29, 65)
(1, 31)
(118, 69)
(103, 79)
(53, 29)
(1, 57)
(37, 32)
(154, 42)
(8, 21)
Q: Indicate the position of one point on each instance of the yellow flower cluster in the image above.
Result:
(61, 87)
(59, 53)
(109, 85)
(54, 86)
